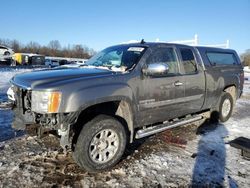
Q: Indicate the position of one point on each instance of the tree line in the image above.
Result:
(245, 57)
(53, 48)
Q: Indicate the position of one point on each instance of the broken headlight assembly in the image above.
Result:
(45, 101)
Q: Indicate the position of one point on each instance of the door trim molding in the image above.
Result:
(151, 103)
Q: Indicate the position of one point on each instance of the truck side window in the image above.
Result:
(165, 55)
(188, 61)
(220, 58)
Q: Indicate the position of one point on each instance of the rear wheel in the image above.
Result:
(225, 108)
(101, 144)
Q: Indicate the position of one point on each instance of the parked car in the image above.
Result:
(127, 92)
(64, 62)
(51, 62)
(6, 53)
(81, 62)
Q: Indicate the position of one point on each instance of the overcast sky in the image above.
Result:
(99, 24)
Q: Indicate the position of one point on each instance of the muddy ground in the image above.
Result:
(29, 161)
(163, 160)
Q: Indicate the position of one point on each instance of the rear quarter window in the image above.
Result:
(220, 58)
(188, 61)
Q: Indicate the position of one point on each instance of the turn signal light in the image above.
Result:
(54, 102)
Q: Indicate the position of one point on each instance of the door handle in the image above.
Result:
(178, 83)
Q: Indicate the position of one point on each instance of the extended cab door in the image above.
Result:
(194, 80)
(161, 96)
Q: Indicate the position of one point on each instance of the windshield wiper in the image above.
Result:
(113, 68)
(96, 66)
(103, 67)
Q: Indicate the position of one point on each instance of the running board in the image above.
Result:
(162, 127)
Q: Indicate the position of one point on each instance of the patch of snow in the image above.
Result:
(247, 73)
(206, 160)
(247, 69)
(6, 75)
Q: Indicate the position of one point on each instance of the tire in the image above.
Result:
(226, 107)
(222, 114)
(13, 63)
(101, 144)
(7, 53)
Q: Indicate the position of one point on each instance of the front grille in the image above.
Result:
(18, 97)
(22, 99)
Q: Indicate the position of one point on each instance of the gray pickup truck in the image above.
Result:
(127, 92)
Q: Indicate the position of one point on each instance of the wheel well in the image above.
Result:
(118, 109)
(231, 89)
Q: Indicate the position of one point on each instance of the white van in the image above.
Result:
(52, 62)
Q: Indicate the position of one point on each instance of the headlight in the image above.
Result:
(10, 94)
(45, 102)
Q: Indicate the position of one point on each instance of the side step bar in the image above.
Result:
(162, 127)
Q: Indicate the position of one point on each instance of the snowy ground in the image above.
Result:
(6, 115)
(193, 155)
(6, 75)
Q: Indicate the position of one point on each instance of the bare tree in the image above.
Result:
(54, 48)
(245, 57)
(54, 45)
(15, 45)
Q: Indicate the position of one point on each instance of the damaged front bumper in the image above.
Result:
(42, 123)
(24, 117)
(21, 120)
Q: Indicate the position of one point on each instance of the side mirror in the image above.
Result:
(156, 69)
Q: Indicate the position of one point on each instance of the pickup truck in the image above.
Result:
(126, 92)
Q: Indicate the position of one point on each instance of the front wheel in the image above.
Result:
(101, 144)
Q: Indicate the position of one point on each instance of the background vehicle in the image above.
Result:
(127, 92)
(5, 51)
(79, 62)
(52, 62)
(64, 62)
(29, 59)
(5, 54)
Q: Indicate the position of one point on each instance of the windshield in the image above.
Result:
(118, 58)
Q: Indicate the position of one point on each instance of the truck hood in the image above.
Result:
(32, 79)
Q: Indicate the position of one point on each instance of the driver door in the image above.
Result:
(161, 96)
